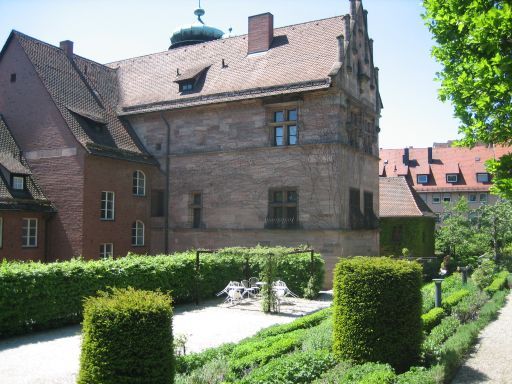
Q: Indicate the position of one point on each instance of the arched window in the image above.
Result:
(138, 233)
(139, 183)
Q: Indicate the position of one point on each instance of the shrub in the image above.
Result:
(499, 283)
(467, 309)
(300, 367)
(417, 375)
(127, 338)
(319, 337)
(301, 323)
(432, 344)
(377, 309)
(454, 298)
(186, 364)
(213, 372)
(432, 318)
(344, 373)
(39, 296)
(484, 273)
(450, 284)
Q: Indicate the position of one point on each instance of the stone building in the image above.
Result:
(443, 174)
(266, 138)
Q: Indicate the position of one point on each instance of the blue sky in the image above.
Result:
(109, 30)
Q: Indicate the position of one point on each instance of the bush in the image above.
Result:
(454, 298)
(301, 323)
(432, 345)
(300, 367)
(344, 373)
(319, 338)
(467, 309)
(213, 372)
(450, 284)
(484, 273)
(432, 318)
(499, 283)
(188, 363)
(417, 375)
(377, 309)
(40, 296)
(127, 338)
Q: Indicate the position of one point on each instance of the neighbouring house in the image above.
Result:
(443, 174)
(405, 219)
(24, 210)
(267, 138)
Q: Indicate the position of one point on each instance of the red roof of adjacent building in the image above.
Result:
(464, 162)
(398, 199)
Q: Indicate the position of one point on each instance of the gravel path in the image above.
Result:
(491, 361)
(52, 357)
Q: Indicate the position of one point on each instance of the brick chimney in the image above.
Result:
(261, 32)
(405, 157)
(67, 47)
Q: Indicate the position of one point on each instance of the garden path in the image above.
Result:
(52, 357)
(491, 360)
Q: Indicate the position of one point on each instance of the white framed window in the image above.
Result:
(452, 178)
(436, 198)
(447, 197)
(482, 177)
(483, 198)
(106, 250)
(18, 182)
(472, 197)
(138, 233)
(1, 232)
(107, 205)
(139, 183)
(29, 233)
(422, 179)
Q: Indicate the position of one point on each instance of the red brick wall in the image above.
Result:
(36, 125)
(261, 32)
(106, 174)
(11, 236)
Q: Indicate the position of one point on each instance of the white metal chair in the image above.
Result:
(248, 290)
(226, 288)
(253, 284)
(234, 295)
(282, 290)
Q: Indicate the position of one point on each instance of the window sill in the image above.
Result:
(101, 219)
(138, 195)
(138, 245)
(29, 246)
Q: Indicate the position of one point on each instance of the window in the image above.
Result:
(436, 198)
(29, 233)
(157, 203)
(13, 77)
(18, 182)
(106, 250)
(138, 233)
(472, 197)
(196, 205)
(482, 177)
(107, 205)
(447, 197)
(452, 178)
(1, 231)
(370, 220)
(483, 198)
(356, 218)
(186, 86)
(139, 183)
(282, 209)
(284, 127)
(422, 179)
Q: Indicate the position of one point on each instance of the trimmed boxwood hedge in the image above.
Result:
(377, 311)
(499, 282)
(432, 318)
(454, 299)
(40, 296)
(127, 339)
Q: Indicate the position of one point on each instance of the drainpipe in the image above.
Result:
(167, 187)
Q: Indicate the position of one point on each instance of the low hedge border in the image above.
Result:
(499, 283)
(37, 296)
(454, 299)
(432, 318)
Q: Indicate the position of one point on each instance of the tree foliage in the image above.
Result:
(474, 46)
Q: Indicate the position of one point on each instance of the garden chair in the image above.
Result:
(282, 290)
(234, 295)
(253, 284)
(248, 290)
(226, 289)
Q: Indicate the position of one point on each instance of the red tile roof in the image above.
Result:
(398, 199)
(464, 161)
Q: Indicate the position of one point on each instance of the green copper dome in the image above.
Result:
(195, 33)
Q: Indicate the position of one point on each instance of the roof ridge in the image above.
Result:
(216, 41)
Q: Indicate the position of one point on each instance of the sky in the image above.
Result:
(111, 30)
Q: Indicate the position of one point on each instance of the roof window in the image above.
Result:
(452, 178)
(482, 177)
(422, 179)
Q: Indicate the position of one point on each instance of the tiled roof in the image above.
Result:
(398, 199)
(80, 87)
(464, 161)
(11, 198)
(300, 58)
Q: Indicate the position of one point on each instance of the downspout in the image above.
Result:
(167, 186)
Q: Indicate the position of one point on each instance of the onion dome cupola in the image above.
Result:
(196, 33)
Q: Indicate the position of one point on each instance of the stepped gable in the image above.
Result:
(86, 94)
(13, 161)
(300, 58)
(398, 199)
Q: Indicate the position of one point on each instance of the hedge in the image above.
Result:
(499, 283)
(127, 339)
(432, 318)
(40, 296)
(454, 298)
(377, 311)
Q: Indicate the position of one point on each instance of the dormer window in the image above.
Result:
(452, 178)
(191, 79)
(186, 86)
(482, 177)
(422, 179)
(18, 183)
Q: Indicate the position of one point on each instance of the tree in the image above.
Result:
(495, 223)
(474, 46)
